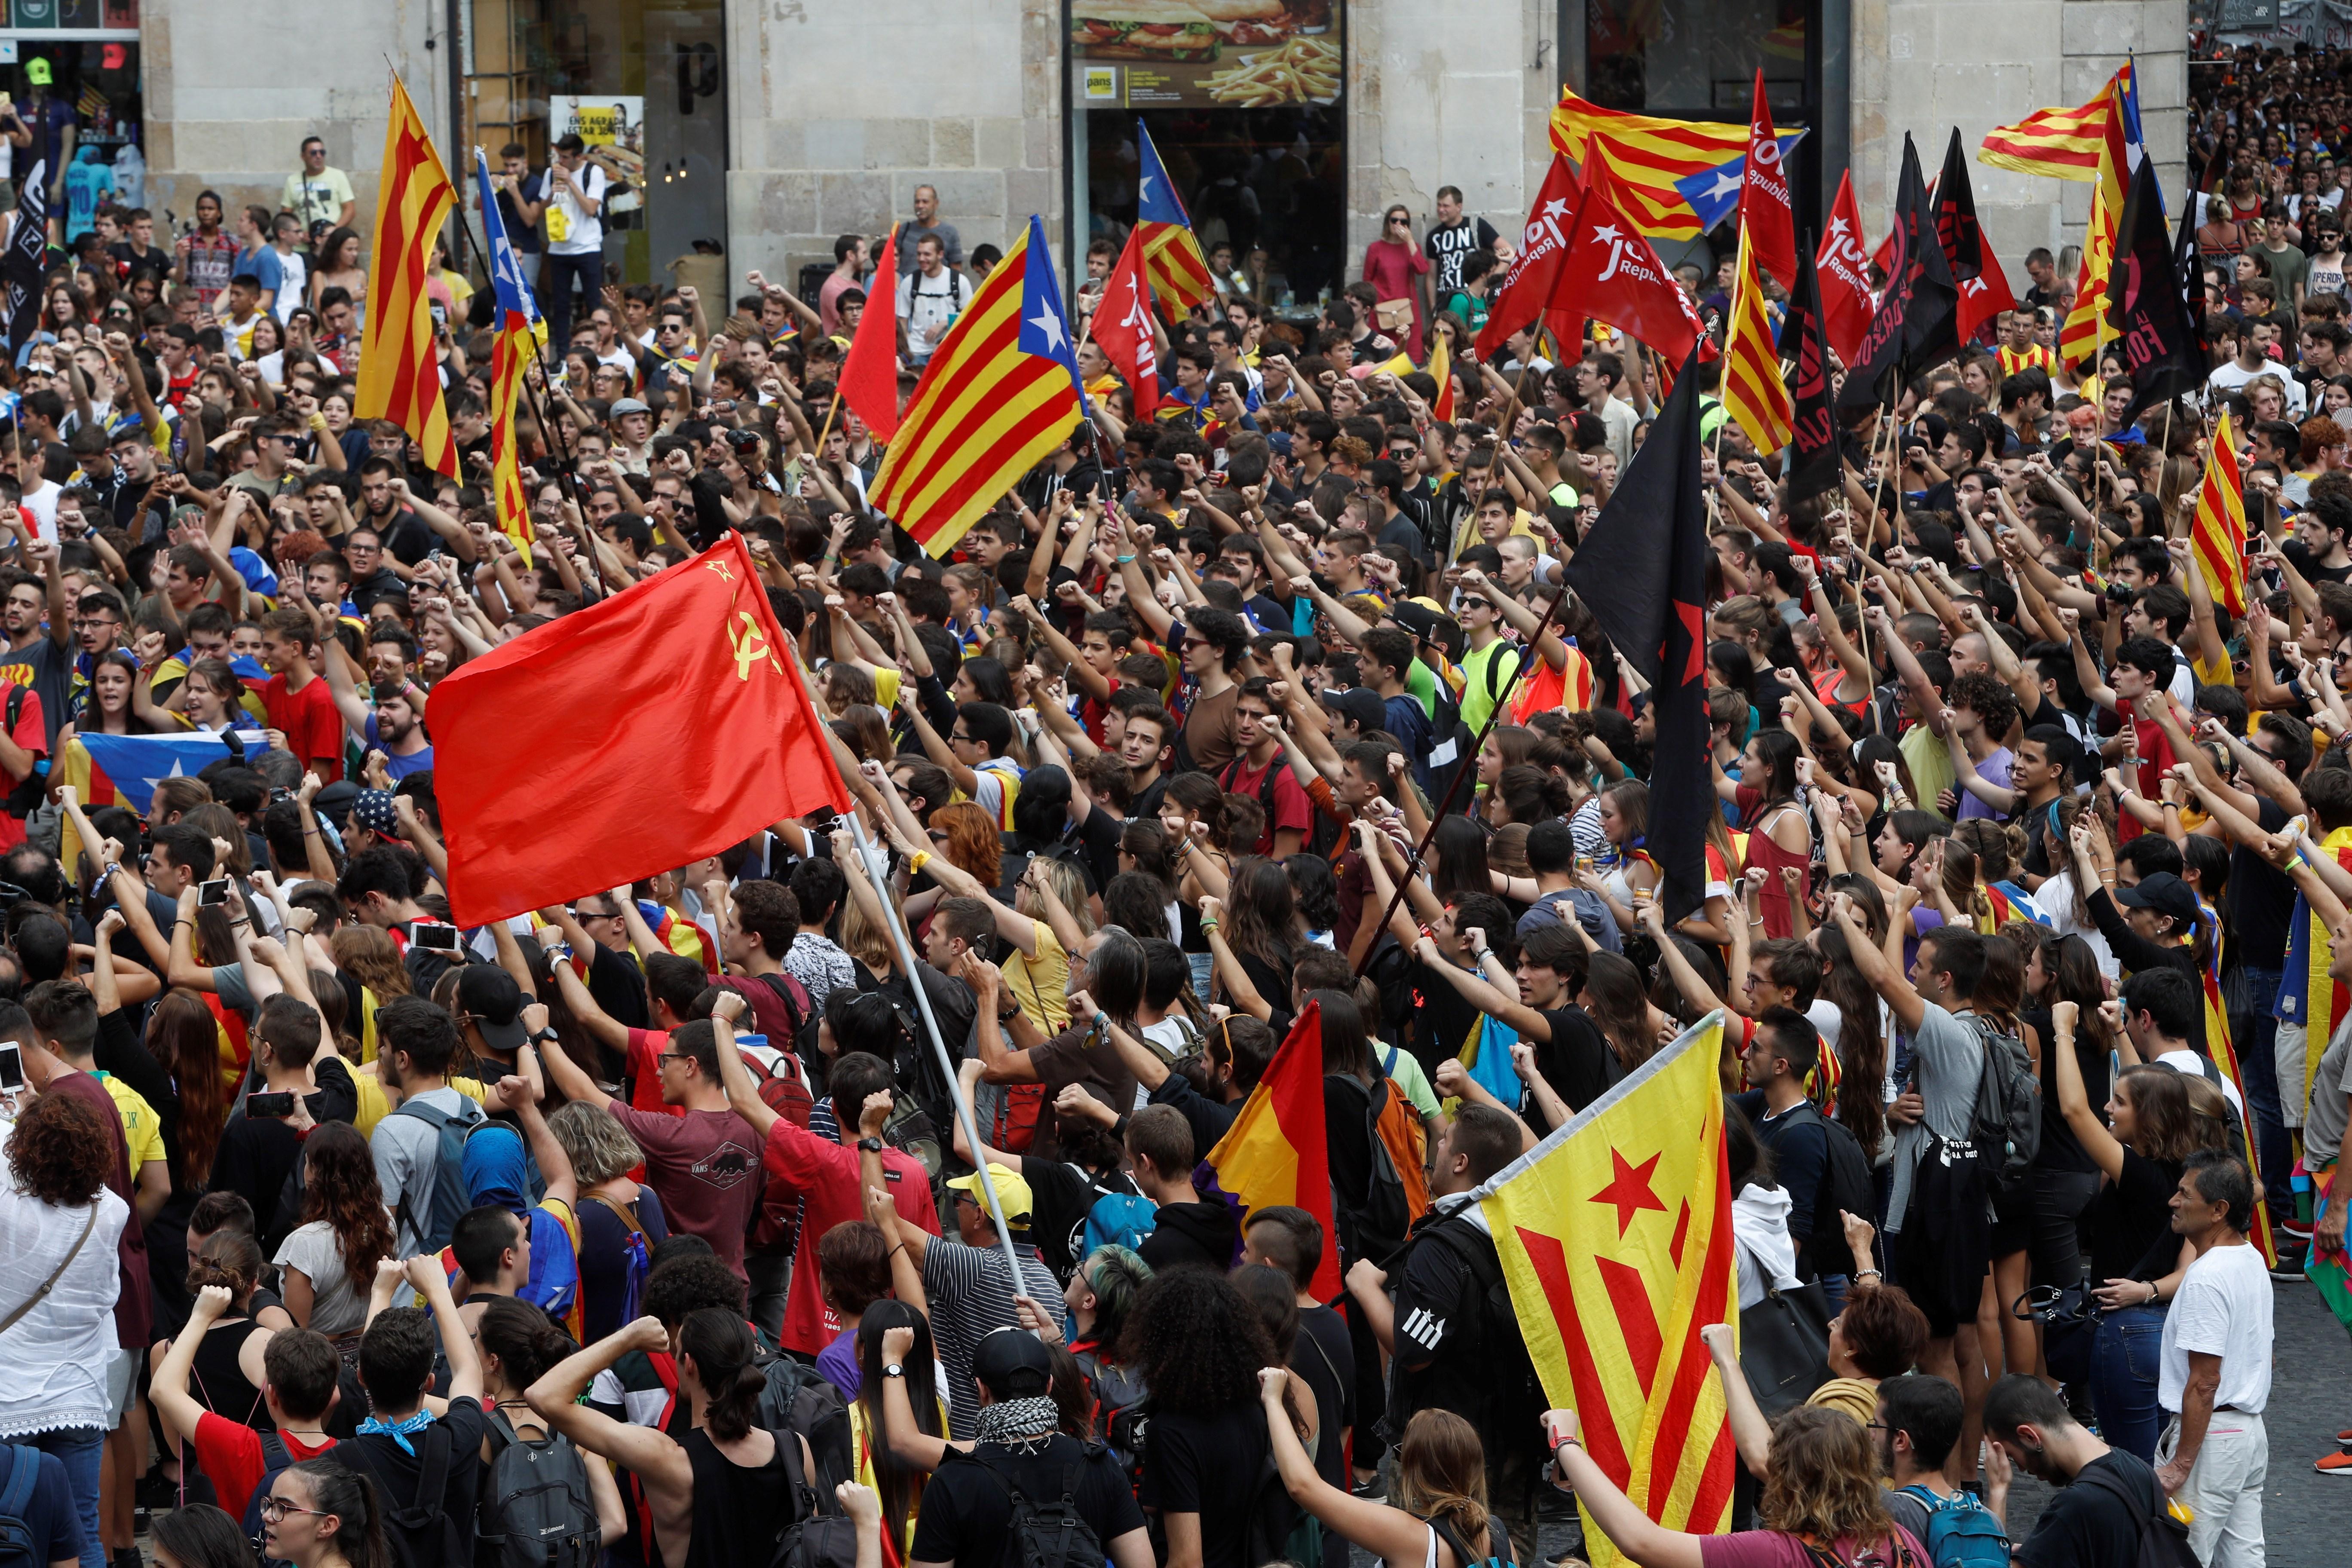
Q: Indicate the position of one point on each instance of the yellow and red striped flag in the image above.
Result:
(400, 365)
(1000, 393)
(1615, 1237)
(2218, 539)
(1754, 392)
(2119, 151)
(2059, 144)
(1646, 156)
(1441, 370)
(520, 333)
(1172, 262)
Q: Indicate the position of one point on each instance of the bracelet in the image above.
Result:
(1867, 1274)
(2152, 1292)
(1208, 926)
(895, 1250)
(922, 857)
(182, 921)
(1123, 560)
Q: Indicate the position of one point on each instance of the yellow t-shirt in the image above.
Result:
(1036, 983)
(376, 1105)
(141, 1128)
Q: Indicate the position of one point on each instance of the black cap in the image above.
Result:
(490, 994)
(2166, 895)
(1360, 704)
(1011, 1364)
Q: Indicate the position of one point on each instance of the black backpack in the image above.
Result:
(1374, 1221)
(2163, 1540)
(797, 1400)
(2006, 1125)
(18, 1547)
(1507, 1399)
(820, 1535)
(1846, 1184)
(427, 1533)
(1054, 1534)
(536, 1508)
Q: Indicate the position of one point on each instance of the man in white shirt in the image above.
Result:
(1598, 377)
(2255, 340)
(318, 194)
(931, 298)
(293, 269)
(574, 192)
(2213, 1371)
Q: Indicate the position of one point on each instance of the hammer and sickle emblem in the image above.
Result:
(750, 646)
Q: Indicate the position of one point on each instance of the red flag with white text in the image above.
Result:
(1123, 326)
(1766, 214)
(1612, 274)
(1846, 302)
(1520, 298)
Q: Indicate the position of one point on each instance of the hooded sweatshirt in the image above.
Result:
(1188, 1235)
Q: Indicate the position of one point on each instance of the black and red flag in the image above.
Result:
(1816, 458)
(1642, 571)
(2160, 338)
(1984, 291)
(1914, 328)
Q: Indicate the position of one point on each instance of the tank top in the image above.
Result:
(221, 1383)
(739, 1509)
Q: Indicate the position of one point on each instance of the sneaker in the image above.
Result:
(2288, 1270)
(1370, 1489)
(2337, 1464)
(2345, 1435)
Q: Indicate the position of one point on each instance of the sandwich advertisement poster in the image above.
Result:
(1205, 54)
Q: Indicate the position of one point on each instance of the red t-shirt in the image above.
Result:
(2153, 749)
(312, 724)
(230, 1453)
(645, 1046)
(31, 732)
(825, 1174)
(1291, 808)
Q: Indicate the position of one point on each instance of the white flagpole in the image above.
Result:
(870, 857)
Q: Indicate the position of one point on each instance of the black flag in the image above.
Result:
(28, 250)
(1816, 463)
(1913, 329)
(1641, 570)
(2162, 344)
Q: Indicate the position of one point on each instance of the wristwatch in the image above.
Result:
(545, 1037)
(894, 1370)
(870, 1145)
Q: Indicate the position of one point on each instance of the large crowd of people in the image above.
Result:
(644, 1228)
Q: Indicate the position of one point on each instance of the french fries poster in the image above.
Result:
(1206, 54)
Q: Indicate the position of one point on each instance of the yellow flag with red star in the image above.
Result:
(1615, 1237)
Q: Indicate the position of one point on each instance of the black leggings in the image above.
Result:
(2059, 1199)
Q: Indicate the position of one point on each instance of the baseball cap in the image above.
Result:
(628, 406)
(2166, 894)
(1011, 1364)
(1360, 704)
(37, 72)
(491, 995)
(1010, 1187)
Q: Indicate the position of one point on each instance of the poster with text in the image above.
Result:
(614, 129)
(1205, 54)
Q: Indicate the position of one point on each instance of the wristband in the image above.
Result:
(1123, 560)
(922, 859)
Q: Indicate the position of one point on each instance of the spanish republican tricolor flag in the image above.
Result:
(1274, 1154)
(1001, 392)
(2218, 539)
(400, 363)
(1615, 1236)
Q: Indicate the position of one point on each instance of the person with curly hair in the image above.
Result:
(60, 1223)
(1821, 1489)
(330, 1259)
(1199, 1344)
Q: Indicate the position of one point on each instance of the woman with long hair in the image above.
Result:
(518, 1347)
(1315, 892)
(1860, 1042)
(2150, 1132)
(1439, 1518)
(1199, 1346)
(1779, 837)
(1823, 1501)
(1460, 847)
(1614, 997)
(894, 1464)
(341, 264)
(106, 706)
(330, 1258)
(719, 1497)
(198, 1535)
(227, 1375)
(1628, 876)
(1252, 936)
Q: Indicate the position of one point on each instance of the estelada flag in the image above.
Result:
(1123, 326)
(1171, 255)
(400, 363)
(1275, 1152)
(1844, 263)
(2218, 538)
(1521, 299)
(1768, 222)
(1001, 392)
(1612, 274)
(1615, 1238)
(1651, 155)
(870, 371)
(544, 799)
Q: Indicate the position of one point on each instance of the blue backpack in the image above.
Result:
(1118, 1219)
(18, 1547)
(1962, 1531)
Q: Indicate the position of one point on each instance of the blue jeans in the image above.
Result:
(2123, 1359)
(2252, 992)
(82, 1451)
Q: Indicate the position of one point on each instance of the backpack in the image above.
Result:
(427, 1533)
(2007, 1124)
(1509, 1399)
(1962, 1531)
(18, 1547)
(1054, 1535)
(1498, 1545)
(1374, 1221)
(636, 1254)
(1271, 1521)
(1846, 1184)
(818, 1536)
(1116, 1219)
(449, 1196)
(536, 1508)
(783, 1080)
(798, 1401)
(1121, 1409)
(779, 1003)
(2163, 1537)
(275, 1457)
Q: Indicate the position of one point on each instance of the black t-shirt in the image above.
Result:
(2061, 1149)
(1325, 1361)
(1063, 1194)
(1208, 1465)
(2085, 1525)
(1435, 1330)
(258, 1153)
(1189, 1236)
(396, 1474)
(2131, 1220)
(2261, 902)
(1098, 840)
(1443, 1020)
(966, 1513)
(1575, 1061)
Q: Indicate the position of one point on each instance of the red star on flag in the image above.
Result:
(1693, 620)
(1629, 1190)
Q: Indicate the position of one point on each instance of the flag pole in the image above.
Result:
(870, 857)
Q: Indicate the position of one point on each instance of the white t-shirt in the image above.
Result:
(2191, 1065)
(291, 272)
(2233, 376)
(582, 231)
(43, 504)
(2224, 1310)
(930, 306)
